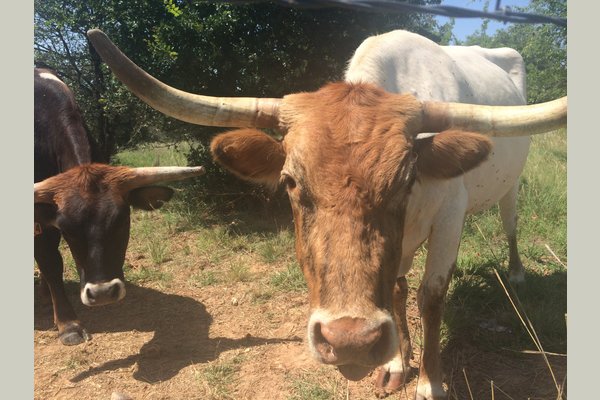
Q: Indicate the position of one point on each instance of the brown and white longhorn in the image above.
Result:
(367, 189)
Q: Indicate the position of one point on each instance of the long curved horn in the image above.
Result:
(197, 109)
(495, 120)
(146, 176)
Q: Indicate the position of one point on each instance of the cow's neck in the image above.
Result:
(75, 151)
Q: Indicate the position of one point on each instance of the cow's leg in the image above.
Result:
(430, 299)
(508, 213)
(394, 373)
(44, 290)
(49, 260)
(442, 253)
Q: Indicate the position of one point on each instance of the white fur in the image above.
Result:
(402, 62)
(427, 391)
(47, 75)
(394, 365)
(95, 286)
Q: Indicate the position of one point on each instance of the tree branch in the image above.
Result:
(80, 77)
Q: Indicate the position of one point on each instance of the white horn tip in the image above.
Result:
(200, 170)
(425, 135)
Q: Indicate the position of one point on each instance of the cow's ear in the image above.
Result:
(249, 154)
(451, 153)
(44, 213)
(149, 197)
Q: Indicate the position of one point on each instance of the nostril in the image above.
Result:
(113, 292)
(350, 340)
(89, 294)
(322, 345)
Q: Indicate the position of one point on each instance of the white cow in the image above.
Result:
(404, 62)
(366, 190)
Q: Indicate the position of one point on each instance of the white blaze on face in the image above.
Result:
(95, 294)
(47, 75)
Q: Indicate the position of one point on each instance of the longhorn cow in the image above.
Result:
(368, 183)
(85, 202)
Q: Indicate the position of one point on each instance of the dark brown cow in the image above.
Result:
(88, 203)
(368, 183)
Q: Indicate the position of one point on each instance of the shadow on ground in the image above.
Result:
(487, 339)
(180, 325)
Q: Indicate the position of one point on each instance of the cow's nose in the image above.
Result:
(97, 294)
(353, 340)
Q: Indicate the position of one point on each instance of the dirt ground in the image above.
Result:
(223, 341)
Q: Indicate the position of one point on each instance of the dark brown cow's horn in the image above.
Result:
(145, 176)
(495, 120)
(43, 192)
(197, 109)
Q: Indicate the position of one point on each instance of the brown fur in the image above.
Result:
(349, 160)
(350, 152)
(89, 206)
(249, 154)
(431, 307)
(348, 143)
(88, 181)
(451, 153)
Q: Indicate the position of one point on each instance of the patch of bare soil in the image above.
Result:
(226, 341)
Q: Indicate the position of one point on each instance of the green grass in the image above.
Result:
(290, 279)
(262, 294)
(218, 243)
(277, 247)
(314, 386)
(69, 266)
(219, 378)
(147, 274)
(238, 272)
(158, 249)
(153, 154)
(205, 278)
(75, 362)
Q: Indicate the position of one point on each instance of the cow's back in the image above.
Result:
(60, 138)
(404, 62)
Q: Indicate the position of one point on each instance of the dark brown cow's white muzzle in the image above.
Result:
(101, 293)
(355, 344)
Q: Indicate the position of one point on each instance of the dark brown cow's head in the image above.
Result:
(348, 160)
(90, 204)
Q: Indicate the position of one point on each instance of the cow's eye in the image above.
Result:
(287, 181)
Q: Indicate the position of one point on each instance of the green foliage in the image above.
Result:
(543, 47)
(215, 49)
(113, 116)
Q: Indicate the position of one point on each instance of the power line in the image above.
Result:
(504, 14)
